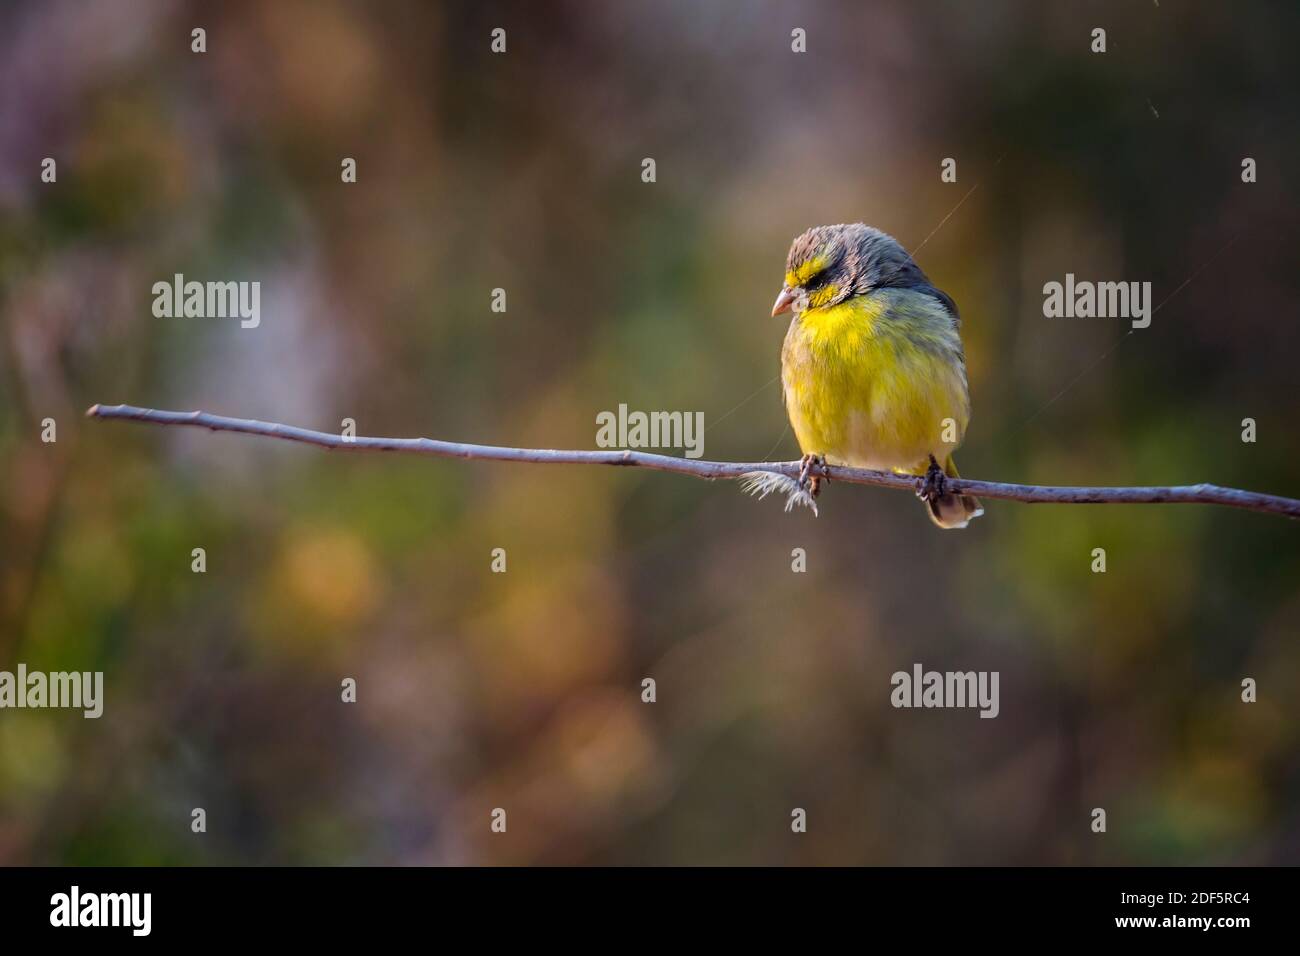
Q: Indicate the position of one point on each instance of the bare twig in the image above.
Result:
(1034, 494)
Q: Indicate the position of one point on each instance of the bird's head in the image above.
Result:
(828, 264)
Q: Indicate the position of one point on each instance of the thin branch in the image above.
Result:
(1035, 494)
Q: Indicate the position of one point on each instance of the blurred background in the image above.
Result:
(522, 690)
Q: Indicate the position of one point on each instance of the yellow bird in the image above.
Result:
(872, 366)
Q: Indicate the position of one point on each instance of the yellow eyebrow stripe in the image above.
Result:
(805, 271)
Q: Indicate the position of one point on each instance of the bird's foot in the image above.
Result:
(931, 486)
(808, 481)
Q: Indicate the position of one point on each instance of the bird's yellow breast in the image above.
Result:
(877, 381)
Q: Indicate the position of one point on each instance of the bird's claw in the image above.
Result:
(932, 484)
(808, 481)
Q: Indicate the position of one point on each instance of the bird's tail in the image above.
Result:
(953, 511)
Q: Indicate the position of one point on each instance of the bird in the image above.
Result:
(872, 367)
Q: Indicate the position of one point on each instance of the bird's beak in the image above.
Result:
(783, 301)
